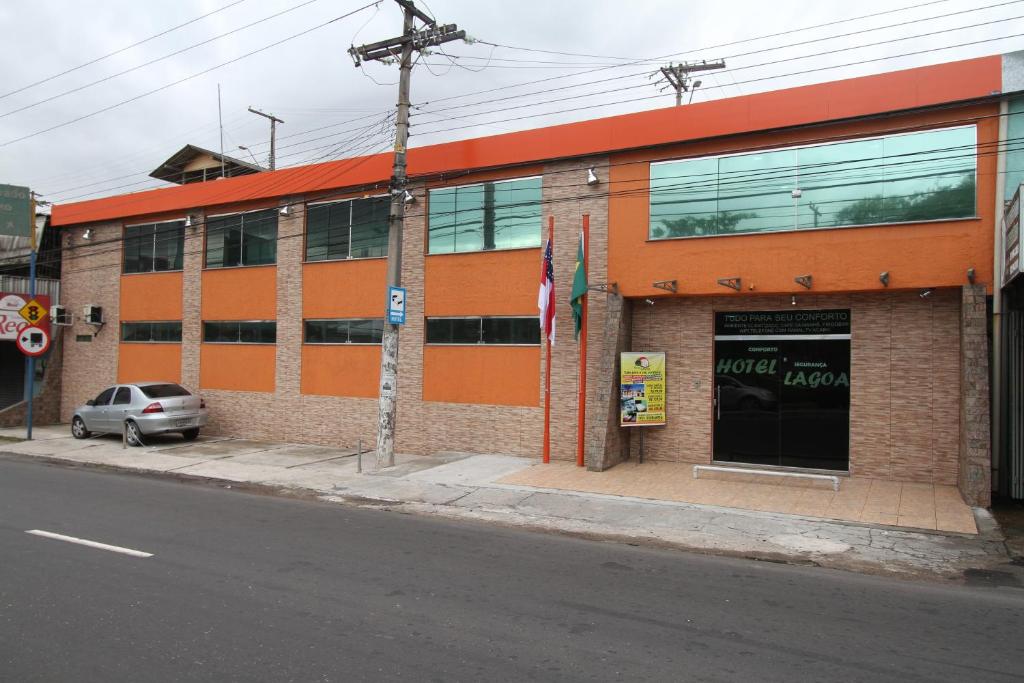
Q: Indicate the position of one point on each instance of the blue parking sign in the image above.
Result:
(396, 305)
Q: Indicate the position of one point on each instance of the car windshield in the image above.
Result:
(164, 391)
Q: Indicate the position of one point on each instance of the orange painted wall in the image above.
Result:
(344, 289)
(482, 283)
(343, 370)
(145, 362)
(489, 375)
(151, 296)
(240, 293)
(237, 367)
(843, 259)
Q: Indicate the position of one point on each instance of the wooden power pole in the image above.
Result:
(678, 75)
(273, 134)
(401, 47)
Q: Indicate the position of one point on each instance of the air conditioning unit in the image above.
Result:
(60, 316)
(92, 315)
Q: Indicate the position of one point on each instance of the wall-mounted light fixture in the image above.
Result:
(971, 275)
(883, 277)
(804, 281)
(592, 178)
(408, 197)
(188, 221)
(792, 300)
(87, 234)
(925, 293)
(286, 210)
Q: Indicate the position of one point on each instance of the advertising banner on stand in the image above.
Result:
(642, 389)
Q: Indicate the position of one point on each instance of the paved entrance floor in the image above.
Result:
(874, 501)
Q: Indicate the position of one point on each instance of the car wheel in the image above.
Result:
(749, 403)
(134, 436)
(78, 429)
(190, 434)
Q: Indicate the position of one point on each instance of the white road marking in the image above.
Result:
(91, 544)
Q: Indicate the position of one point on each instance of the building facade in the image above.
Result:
(815, 263)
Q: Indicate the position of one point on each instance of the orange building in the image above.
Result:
(814, 263)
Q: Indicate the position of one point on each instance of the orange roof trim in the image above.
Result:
(863, 96)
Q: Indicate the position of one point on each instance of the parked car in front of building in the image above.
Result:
(141, 409)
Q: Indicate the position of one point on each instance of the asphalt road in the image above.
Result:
(243, 587)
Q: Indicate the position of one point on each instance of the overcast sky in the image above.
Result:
(311, 82)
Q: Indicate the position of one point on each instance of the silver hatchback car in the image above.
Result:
(141, 409)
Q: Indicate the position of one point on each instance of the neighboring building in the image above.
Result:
(14, 279)
(822, 254)
(193, 164)
(1008, 302)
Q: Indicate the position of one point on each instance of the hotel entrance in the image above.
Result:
(782, 388)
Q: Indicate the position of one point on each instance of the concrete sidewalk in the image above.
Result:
(466, 486)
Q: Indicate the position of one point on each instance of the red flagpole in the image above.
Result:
(547, 370)
(581, 420)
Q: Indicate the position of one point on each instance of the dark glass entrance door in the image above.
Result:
(783, 399)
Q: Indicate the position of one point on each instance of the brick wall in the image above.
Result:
(904, 384)
(287, 414)
(91, 274)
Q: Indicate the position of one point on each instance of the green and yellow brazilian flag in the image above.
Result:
(579, 289)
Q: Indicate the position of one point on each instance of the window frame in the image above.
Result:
(305, 336)
(241, 244)
(540, 233)
(122, 340)
(305, 233)
(237, 322)
(124, 246)
(481, 341)
(797, 147)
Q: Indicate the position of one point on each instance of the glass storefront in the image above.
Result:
(782, 388)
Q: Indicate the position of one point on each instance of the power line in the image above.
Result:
(571, 86)
(752, 80)
(187, 78)
(704, 49)
(119, 51)
(772, 49)
(154, 61)
(58, 193)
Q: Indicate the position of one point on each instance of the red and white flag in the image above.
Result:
(546, 295)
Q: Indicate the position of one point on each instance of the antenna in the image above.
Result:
(220, 122)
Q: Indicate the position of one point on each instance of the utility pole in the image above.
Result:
(273, 133)
(410, 40)
(678, 75)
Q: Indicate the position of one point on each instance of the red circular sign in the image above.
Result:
(33, 341)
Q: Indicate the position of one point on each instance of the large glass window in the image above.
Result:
(154, 247)
(158, 332)
(926, 175)
(484, 330)
(240, 332)
(494, 215)
(351, 331)
(244, 239)
(357, 228)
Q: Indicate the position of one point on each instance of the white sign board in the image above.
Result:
(11, 321)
